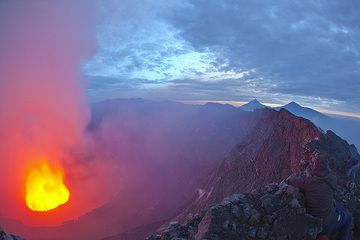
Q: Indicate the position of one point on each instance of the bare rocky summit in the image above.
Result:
(272, 152)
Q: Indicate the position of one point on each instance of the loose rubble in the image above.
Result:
(276, 213)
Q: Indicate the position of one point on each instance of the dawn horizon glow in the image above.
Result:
(277, 52)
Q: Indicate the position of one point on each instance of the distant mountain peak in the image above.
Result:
(252, 105)
(293, 104)
(304, 112)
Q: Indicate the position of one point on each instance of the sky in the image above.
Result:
(229, 50)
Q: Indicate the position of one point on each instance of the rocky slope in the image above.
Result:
(346, 127)
(271, 153)
(268, 154)
(276, 213)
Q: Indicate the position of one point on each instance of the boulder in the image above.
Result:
(272, 214)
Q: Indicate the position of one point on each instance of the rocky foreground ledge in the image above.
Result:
(4, 236)
(278, 212)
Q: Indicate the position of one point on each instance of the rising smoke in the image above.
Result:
(43, 110)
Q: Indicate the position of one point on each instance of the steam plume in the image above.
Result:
(43, 111)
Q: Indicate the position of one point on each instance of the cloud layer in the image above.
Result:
(232, 50)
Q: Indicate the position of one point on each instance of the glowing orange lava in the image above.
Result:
(45, 189)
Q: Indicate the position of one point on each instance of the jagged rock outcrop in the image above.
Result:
(275, 213)
(4, 236)
(338, 151)
(271, 153)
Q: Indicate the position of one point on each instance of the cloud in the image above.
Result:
(306, 50)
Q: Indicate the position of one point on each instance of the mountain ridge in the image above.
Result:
(252, 106)
(278, 139)
(209, 220)
(270, 138)
(345, 127)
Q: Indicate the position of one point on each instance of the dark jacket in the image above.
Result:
(319, 195)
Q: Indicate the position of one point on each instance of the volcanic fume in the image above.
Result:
(43, 111)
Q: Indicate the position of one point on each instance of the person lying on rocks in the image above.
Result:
(318, 189)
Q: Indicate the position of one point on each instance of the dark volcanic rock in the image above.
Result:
(246, 217)
(338, 151)
(272, 150)
(271, 153)
(268, 154)
(4, 236)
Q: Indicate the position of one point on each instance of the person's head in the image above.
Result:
(320, 166)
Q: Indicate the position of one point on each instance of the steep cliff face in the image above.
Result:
(343, 158)
(270, 153)
(273, 151)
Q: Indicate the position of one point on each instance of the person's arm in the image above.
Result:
(297, 181)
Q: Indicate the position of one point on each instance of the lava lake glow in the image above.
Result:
(45, 188)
